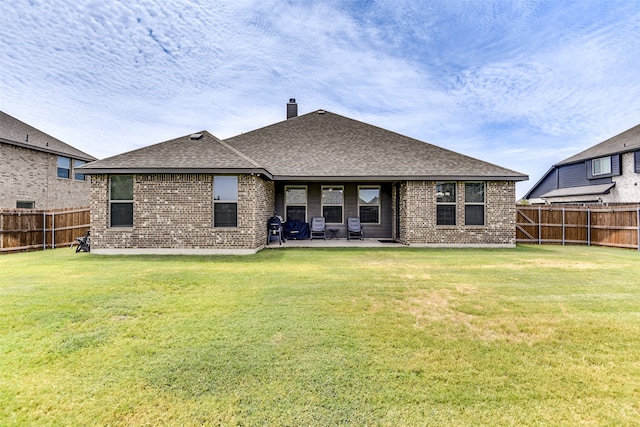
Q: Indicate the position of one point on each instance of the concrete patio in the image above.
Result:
(335, 243)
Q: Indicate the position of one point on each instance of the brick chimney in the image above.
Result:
(292, 109)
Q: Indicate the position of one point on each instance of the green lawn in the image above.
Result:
(537, 335)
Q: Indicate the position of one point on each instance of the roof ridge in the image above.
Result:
(245, 157)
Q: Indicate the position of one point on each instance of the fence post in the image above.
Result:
(539, 226)
(638, 225)
(44, 231)
(588, 227)
(53, 230)
(563, 228)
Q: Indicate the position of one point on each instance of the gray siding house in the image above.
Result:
(39, 171)
(200, 194)
(608, 172)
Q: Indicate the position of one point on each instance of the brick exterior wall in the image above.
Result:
(173, 213)
(30, 175)
(418, 216)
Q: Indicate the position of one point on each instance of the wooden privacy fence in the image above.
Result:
(616, 226)
(28, 229)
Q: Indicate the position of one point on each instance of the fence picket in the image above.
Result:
(615, 226)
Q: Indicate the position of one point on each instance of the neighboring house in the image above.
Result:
(608, 172)
(199, 194)
(38, 170)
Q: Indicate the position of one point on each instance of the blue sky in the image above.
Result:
(523, 84)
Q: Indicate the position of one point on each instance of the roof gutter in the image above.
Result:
(131, 171)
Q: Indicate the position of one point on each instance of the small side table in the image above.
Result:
(333, 233)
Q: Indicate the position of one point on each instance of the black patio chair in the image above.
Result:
(83, 243)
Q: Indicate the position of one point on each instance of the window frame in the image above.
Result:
(113, 202)
(341, 204)
(306, 200)
(447, 204)
(225, 201)
(476, 203)
(378, 204)
(77, 175)
(600, 161)
(60, 168)
(26, 204)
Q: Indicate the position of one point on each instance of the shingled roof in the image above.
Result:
(315, 146)
(628, 140)
(324, 145)
(200, 152)
(18, 133)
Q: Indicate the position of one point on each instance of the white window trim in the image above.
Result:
(454, 203)
(483, 203)
(306, 200)
(371, 187)
(323, 204)
(601, 161)
(213, 188)
(120, 201)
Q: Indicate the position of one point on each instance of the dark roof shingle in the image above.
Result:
(15, 132)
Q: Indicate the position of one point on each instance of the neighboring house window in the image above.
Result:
(332, 202)
(77, 175)
(369, 204)
(22, 204)
(64, 167)
(295, 200)
(601, 166)
(121, 201)
(225, 201)
(446, 203)
(474, 203)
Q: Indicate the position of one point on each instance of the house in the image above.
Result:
(38, 170)
(608, 172)
(199, 194)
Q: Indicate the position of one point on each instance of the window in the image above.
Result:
(64, 167)
(23, 204)
(474, 203)
(121, 201)
(332, 200)
(295, 200)
(601, 166)
(225, 201)
(77, 175)
(369, 204)
(446, 203)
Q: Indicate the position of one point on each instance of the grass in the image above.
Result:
(382, 337)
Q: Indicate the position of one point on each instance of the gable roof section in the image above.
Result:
(323, 145)
(628, 140)
(14, 132)
(204, 154)
(316, 146)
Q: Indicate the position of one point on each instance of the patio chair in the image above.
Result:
(318, 228)
(354, 228)
(84, 243)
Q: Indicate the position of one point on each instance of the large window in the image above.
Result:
(446, 203)
(369, 204)
(295, 200)
(474, 197)
(121, 201)
(332, 202)
(601, 166)
(64, 167)
(225, 201)
(79, 176)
